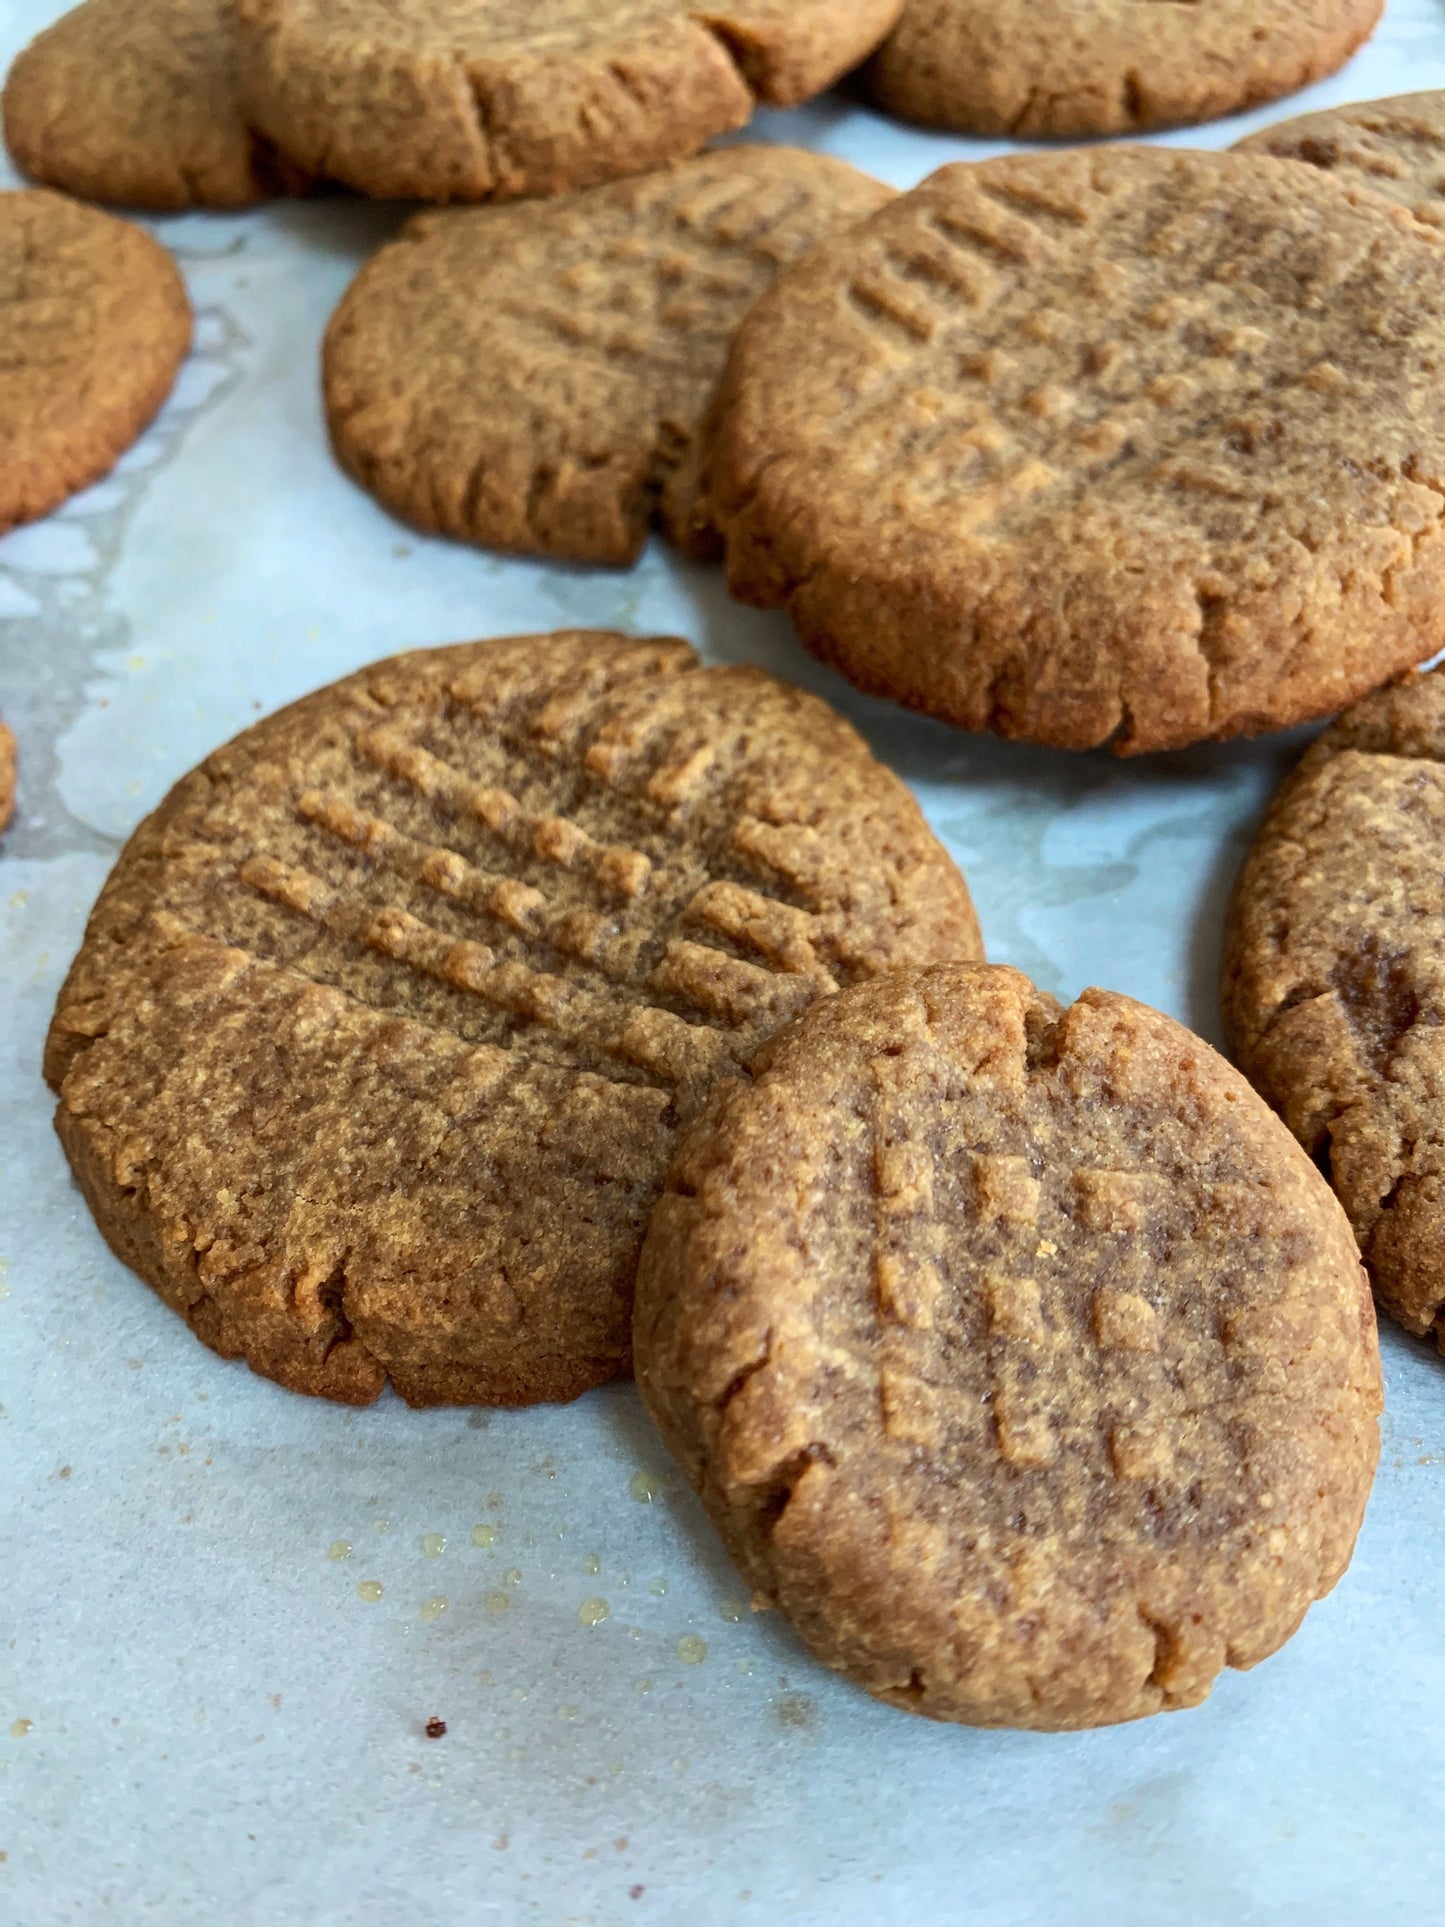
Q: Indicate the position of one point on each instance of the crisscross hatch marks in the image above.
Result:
(565, 875)
(1022, 1308)
(660, 274)
(1394, 148)
(583, 850)
(997, 396)
(537, 378)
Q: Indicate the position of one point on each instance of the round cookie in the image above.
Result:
(1018, 1353)
(385, 1022)
(536, 378)
(96, 324)
(1334, 979)
(1071, 67)
(1130, 446)
(135, 101)
(495, 100)
(7, 775)
(1395, 148)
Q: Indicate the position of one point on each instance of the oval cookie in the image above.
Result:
(1018, 1353)
(96, 324)
(1135, 446)
(536, 378)
(135, 101)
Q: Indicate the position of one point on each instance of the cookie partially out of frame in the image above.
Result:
(95, 324)
(386, 1021)
(135, 102)
(535, 378)
(1334, 980)
(499, 100)
(7, 775)
(1394, 148)
(1076, 67)
(1128, 446)
(1018, 1353)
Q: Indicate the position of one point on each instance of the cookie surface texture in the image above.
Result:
(1020, 1356)
(490, 100)
(1334, 979)
(96, 325)
(1134, 446)
(7, 775)
(385, 1022)
(536, 378)
(1074, 67)
(135, 102)
(1395, 148)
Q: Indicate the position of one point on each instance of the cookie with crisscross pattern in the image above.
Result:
(536, 378)
(386, 1020)
(1018, 1353)
(1133, 445)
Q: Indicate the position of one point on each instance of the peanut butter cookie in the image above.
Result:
(535, 378)
(7, 775)
(135, 101)
(496, 100)
(1018, 1353)
(96, 324)
(1130, 446)
(1334, 980)
(386, 1021)
(1391, 147)
(1073, 67)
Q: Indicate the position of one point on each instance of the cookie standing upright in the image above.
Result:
(481, 100)
(1130, 446)
(1018, 1353)
(1077, 67)
(135, 101)
(1394, 148)
(536, 378)
(1334, 979)
(96, 325)
(385, 1023)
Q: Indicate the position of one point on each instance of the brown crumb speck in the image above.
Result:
(435, 1728)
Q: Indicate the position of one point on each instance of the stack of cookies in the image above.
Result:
(509, 1017)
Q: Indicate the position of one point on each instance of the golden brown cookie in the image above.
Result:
(1018, 1353)
(1130, 445)
(1072, 67)
(495, 100)
(385, 1023)
(535, 378)
(96, 323)
(7, 775)
(1391, 147)
(1334, 980)
(135, 101)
